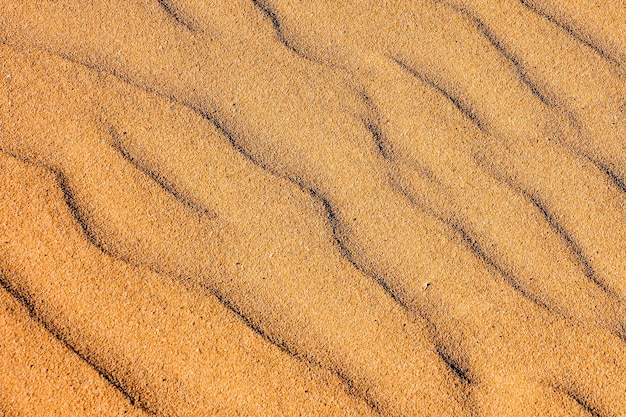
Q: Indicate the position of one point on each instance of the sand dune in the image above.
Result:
(280, 207)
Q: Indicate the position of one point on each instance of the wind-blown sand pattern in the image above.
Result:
(290, 208)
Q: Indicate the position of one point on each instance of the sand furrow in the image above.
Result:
(422, 199)
(599, 23)
(41, 376)
(595, 97)
(175, 351)
(288, 280)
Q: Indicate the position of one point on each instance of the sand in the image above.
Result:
(312, 208)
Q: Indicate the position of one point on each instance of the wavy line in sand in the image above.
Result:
(285, 276)
(340, 200)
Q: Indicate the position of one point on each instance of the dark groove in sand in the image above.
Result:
(350, 386)
(589, 271)
(472, 244)
(467, 111)
(115, 73)
(583, 404)
(159, 179)
(345, 253)
(609, 173)
(174, 15)
(595, 161)
(117, 385)
(80, 217)
(460, 371)
(200, 210)
(553, 103)
(273, 18)
(571, 32)
(372, 125)
(231, 139)
(519, 69)
(453, 355)
(69, 200)
(454, 366)
(507, 276)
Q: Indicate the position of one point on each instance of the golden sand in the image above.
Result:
(312, 208)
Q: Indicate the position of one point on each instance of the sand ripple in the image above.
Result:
(280, 207)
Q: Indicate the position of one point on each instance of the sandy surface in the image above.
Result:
(312, 208)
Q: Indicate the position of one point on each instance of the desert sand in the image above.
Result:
(312, 208)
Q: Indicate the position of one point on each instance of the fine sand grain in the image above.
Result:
(312, 208)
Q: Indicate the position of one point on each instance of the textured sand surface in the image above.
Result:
(312, 208)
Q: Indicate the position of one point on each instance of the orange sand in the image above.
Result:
(288, 207)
